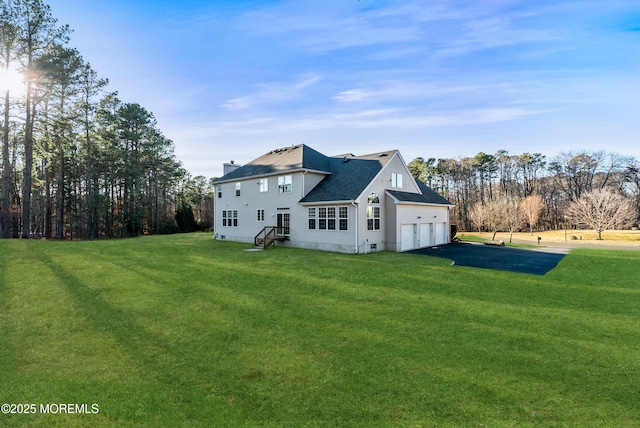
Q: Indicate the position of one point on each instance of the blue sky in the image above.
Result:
(445, 79)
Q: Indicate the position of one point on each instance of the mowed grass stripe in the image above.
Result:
(186, 331)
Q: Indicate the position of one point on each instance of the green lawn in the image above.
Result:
(185, 331)
(473, 238)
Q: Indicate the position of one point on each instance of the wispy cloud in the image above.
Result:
(400, 90)
(272, 92)
(387, 119)
(324, 27)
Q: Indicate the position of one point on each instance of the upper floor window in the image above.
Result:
(373, 198)
(285, 184)
(219, 190)
(396, 180)
(264, 184)
(238, 187)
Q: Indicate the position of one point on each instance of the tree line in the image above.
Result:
(503, 192)
(77, 162)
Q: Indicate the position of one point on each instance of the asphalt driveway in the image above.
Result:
(535, 261)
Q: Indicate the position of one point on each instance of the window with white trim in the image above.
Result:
(264, 185)
(396, 180)
(373, 198)
(230, 218)
(260, 215)
(285, 183)
(331, 218)
(328, 218)
(219, 190)
(322, 218)
(343, 218)
(373, 218)
(312, 218)
(238, 187)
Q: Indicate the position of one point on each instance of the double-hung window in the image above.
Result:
(312, 218)
(329, 218)
(285, 183)
(230, 218)
(264, 185)
(343, 218)
(373, 218)
(322, 218)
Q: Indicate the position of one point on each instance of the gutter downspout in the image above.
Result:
(356, 207)
(303, 188)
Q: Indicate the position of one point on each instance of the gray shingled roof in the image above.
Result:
(349, 177)
(428, 196)
(280, 161)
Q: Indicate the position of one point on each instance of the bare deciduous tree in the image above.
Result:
(494, 217)
(602, 210)
(513, 219)
(531, 207)
(503, 214)
(477, 215)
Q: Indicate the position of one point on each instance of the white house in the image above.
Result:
(298, 197)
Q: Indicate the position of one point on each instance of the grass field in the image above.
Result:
(609, 237)
(469, 237)
(185, 331)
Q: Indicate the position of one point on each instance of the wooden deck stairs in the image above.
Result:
(266, 237)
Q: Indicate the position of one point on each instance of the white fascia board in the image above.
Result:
(271, 174)
(346, 201)
(426, 204)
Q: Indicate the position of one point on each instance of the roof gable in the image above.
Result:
(350, 175)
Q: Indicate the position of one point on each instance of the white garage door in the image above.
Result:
(408, 237)
(441, 233)
(426, 235)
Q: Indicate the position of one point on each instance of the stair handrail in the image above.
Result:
(268, 236)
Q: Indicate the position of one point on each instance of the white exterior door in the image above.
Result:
(426, 235)
(441, 233)
(408, 237)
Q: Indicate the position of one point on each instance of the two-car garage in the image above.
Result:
(417, 220)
